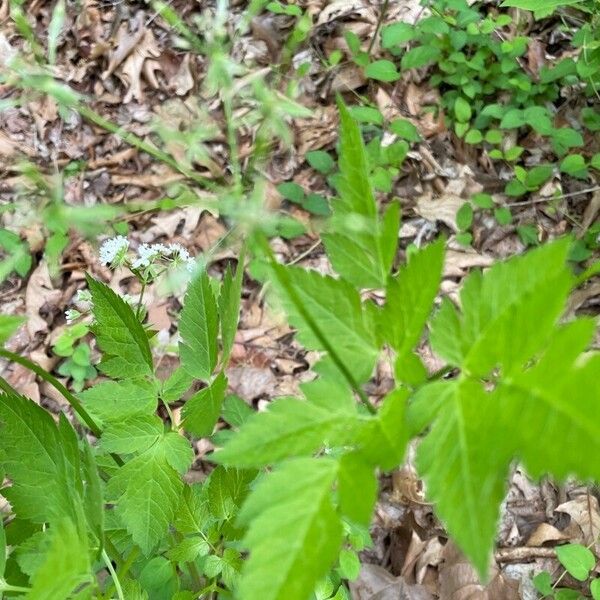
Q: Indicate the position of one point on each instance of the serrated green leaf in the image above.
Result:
(199, 327)
(533, 295)
(93, 499)
(132, 435)
(115, 401)
(229, 306)
(201, 412)
(178, 383)
(227, 489)
(152, 495)
(235, 410)
(120, 335)
(357, 243)
(42, 461)
(506, 334)
(410, 296)
(294, 533)
(66, 565)
(334, 307)
(289, 428)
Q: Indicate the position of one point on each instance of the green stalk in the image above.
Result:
(113, 575)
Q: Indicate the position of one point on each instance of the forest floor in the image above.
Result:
(121, 55)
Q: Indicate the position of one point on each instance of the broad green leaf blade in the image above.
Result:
(120, 335)
(2, 549)
(93, 499)
(357, 488)
(227, 489)
(410, 296)
(229, 306)
(534, 5)
(132, 435)
(201, 412)
(116, 401)
(360, 246)
(464, 461)
(289, 428)
(8, 325)
(386, 434)
(41, 459)
(577, 560)
(199, 327)
(334, 306)
(178, 383)
(66, 565)
(153, 492)
(525, 294)
(294, 533)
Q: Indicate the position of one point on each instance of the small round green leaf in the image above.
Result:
(405, 129)
(382, 70)
(474, 136)
(349, 565)
(543, 583)
(397, 34)
(482, 201)
(462, 110)
(574, 165)
(419, 57)
(503, 215)
(320, 161)
(464, 216)
(577, 560)
(291, 191)
(595, 589)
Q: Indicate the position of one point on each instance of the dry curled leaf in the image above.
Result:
(39, 293)
(584, 511)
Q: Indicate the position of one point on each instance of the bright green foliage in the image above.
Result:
(8, 325)
(287, 429)
(65, 566)
(42, 460)
(120, 336)
(335, 306)
(294, 532)
(507, 321)
(229, 306)
(198, 328)
(202, 410)
(577, 560)
(360, 245)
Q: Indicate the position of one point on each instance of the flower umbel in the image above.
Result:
(113, 251)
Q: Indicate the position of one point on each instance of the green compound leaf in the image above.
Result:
(202, 410)
(8, 325)
(361, 247)
(335, 307)
(65, 566)
(42, 460)
(132, 435)
(294, 534)
(517, 367)
(199, 327)
(289, 428)
(120, 335)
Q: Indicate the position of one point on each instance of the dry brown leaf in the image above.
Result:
(442, 209)
(544, 533)
(584, 511)
(459, 581)
(126, 42)
(458, 262)
(183, 81)
(375, 583)
(131, 70)
(589, 214)
(39, 293)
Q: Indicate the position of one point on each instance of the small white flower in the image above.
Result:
(112, 251)
(146, 255)
(72, 315)
(178, 252)
(83, 296)
(190, 264)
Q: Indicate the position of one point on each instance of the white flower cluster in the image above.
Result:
(113, 250)
(176, 253)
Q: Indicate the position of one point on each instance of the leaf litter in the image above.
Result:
(119, 54)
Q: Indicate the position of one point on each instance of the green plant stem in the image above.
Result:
(282, 275)
(113, 575)
(55, 383)
(137, 142)
(6, 587)
(380, 19)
